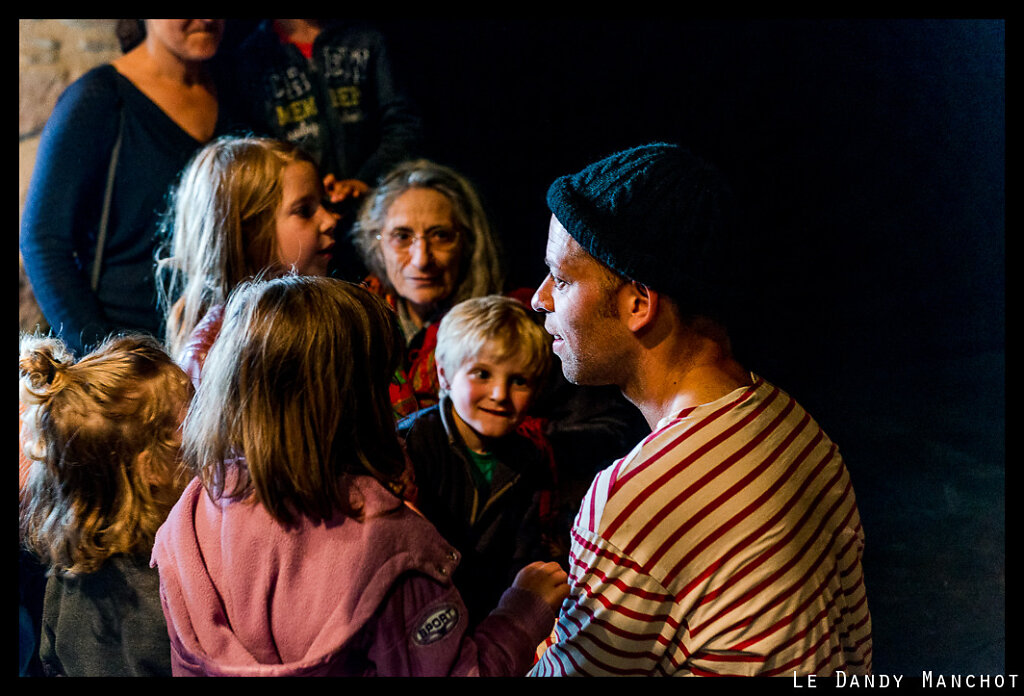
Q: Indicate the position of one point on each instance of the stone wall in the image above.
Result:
(52, 53)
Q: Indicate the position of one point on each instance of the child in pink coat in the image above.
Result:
(292, 552)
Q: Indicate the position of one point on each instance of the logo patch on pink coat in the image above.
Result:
(437, 625)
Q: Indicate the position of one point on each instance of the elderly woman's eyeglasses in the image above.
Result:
(441, 239)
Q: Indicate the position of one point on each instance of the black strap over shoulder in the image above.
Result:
(101, 236)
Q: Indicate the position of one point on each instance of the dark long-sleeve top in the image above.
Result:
(62, 211)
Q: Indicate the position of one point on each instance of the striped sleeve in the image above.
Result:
(618, 621)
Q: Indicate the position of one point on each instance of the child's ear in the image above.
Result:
(442, 380)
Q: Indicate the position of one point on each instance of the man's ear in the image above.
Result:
(641, 305)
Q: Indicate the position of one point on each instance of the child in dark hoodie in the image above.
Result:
(292, 552)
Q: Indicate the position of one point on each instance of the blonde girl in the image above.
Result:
(244, 206)
(102, 439)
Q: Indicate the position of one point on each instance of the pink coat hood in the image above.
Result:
(246, 596)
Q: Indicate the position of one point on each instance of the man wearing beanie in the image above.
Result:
(728, 542)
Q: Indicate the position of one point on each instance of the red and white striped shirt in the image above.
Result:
(728, 542)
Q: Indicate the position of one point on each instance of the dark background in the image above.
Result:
(870, 158)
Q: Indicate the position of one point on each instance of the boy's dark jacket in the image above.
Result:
(497, 530)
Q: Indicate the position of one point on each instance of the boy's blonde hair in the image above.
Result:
(102, 438)
(503, 321)
(294, 398)
(221, 226)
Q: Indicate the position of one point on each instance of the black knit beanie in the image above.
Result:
(656, 214)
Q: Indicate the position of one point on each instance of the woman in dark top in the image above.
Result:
(160, 100)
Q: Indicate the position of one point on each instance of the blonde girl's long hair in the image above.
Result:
(102, 435)
(294, 399)
(220, 228)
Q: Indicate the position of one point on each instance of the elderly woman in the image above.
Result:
(425, 239)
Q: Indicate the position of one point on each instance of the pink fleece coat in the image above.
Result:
(245, 596)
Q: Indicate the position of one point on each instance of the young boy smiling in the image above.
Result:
(483, 469)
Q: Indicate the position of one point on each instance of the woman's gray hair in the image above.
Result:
(480, 272)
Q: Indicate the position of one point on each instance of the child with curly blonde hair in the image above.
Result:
(102, 439)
